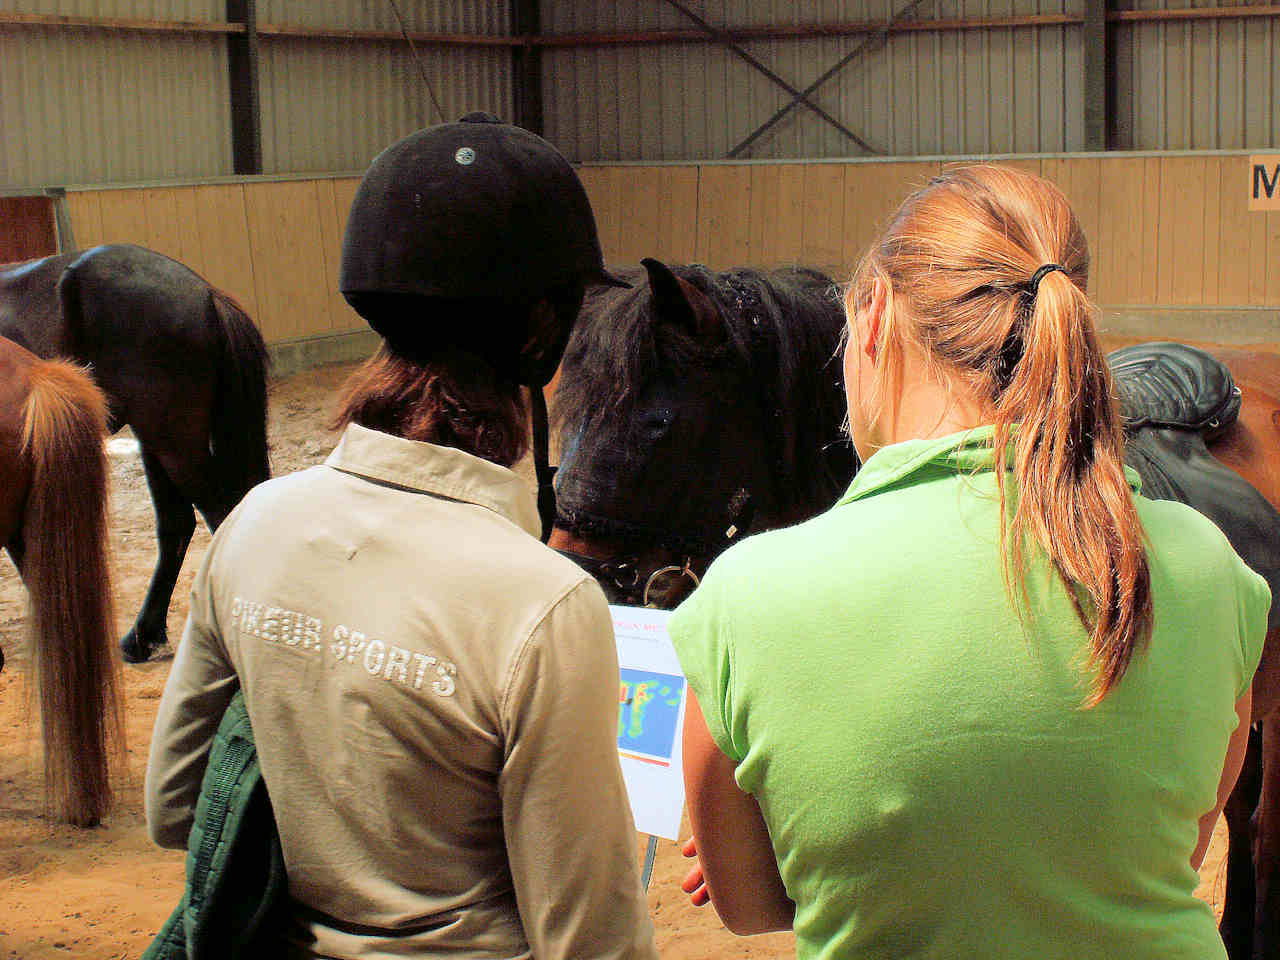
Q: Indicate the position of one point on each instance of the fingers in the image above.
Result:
(694, 884)
(693, 880)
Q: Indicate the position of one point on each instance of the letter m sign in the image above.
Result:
(1264, 182)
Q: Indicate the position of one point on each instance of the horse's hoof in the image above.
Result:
(134, 649)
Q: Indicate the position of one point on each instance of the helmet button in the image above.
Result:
(465, 156)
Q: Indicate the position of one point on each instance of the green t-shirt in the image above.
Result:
(932, 785)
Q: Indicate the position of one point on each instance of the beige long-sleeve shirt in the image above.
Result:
(434, 698)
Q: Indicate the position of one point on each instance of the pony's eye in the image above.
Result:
(659, 421)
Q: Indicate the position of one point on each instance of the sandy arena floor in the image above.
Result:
(101, 894)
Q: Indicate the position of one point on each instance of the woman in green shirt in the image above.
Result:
(986, 705)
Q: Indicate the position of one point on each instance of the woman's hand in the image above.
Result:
(695, 884)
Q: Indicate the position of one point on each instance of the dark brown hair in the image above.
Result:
(957, 261)
(455, 399)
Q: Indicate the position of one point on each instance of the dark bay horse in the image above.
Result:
(181, 364)
(53, 485)
(690, 414)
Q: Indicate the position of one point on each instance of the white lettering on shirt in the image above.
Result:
(385, 661)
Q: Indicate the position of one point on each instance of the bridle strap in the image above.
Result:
(543, 471)
(624, 575)
(632, 585)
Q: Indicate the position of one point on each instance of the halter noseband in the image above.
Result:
(626, 577)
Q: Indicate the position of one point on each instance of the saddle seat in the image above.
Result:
(1175, 399)
(1176, 387)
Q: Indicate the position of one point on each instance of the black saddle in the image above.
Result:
(1176, 400)
(1173, 386)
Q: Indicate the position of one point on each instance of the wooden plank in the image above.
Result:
(124, 218)
(1148, 290)
(822, 237)
(790, 215)
(872, 194)
(288, 257)
(184, 201)
(1119, 256)
(344, 192)
(627, 202)
(1032, 165)
(724, 216)
(1258, 265)
(646, 213)
(163, 234)
(129, 25)
(85, 210)
(599, 184)
(1272, 293)
(785, 31)
(227, 260)
(762, 240)
(1181, 242)
(1233, 224)
(1212, 228)
(331, 252)
(678, 219)
(1080, 182)
(1194, 13)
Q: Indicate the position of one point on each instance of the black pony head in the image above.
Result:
(699, 403)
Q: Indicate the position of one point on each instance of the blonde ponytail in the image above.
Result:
(961, 257)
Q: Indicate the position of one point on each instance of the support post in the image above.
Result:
(242, 67)
(526, 61)
(1097, 81)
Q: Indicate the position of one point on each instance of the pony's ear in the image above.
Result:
(680, 302)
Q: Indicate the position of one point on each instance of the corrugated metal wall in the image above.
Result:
(1211, 84)
(85, 105)
(333, 105)
(1208, 84)
(977, 91)
(97, 106)
(90, 105)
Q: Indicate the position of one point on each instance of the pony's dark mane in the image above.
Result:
(784, 329)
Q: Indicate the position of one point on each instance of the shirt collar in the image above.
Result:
(442, 471)
(916, 461)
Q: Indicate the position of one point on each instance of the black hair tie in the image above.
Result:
(1033, 285)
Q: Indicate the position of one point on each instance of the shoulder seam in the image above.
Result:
(518, 658)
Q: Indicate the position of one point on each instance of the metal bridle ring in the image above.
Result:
(683, 571)
(618, 571)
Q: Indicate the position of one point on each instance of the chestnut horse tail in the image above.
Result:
(71, 624)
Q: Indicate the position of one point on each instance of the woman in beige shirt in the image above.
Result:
(433, 691)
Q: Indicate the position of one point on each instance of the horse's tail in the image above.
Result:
(239, 430)
(71, 624)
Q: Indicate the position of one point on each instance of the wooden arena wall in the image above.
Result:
(1168, 233)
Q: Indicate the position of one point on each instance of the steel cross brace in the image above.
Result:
(798, 96)
(802, 96)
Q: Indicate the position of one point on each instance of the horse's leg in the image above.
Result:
(1266, 848)
(1238, 908)
(175, 523)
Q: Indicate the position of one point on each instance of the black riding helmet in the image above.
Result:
(457, 230)
(455, 233)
